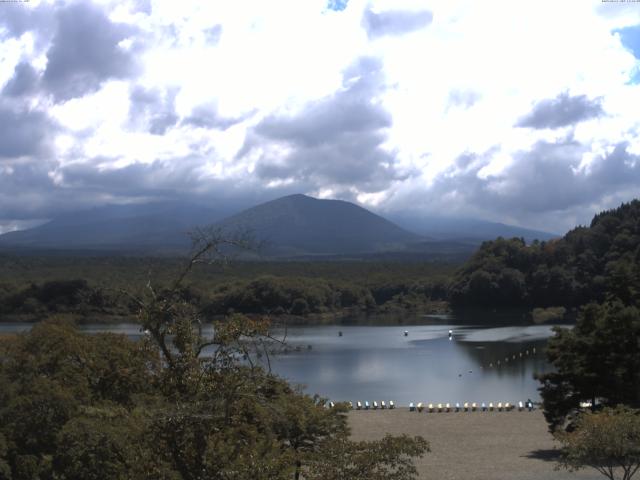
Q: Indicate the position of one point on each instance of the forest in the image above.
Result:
(589, 264)
(96, 289)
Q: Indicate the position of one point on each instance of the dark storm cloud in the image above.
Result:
(394, 22)
(333, 141)
(17, 18)
(540, 183)
(85, 52)
(23, 132)
(153, 108)
(23, 82)
(561, 111)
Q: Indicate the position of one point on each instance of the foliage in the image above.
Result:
(598, 361)
(88, 289)
(392, 456)
(608, 441)
(106, 407)
(594, 263)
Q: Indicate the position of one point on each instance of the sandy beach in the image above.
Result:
(473, 445)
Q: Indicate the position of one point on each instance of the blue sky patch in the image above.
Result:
(630, 37)
(337, 5)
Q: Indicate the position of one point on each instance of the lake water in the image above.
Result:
(380, 363)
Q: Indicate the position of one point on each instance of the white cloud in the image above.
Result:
(454, 83)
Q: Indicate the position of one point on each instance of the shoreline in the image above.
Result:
(494, 445)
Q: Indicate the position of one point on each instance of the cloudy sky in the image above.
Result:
(522, 112)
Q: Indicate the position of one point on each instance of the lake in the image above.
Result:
(378, 362)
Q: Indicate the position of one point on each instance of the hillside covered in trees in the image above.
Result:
(589, 264)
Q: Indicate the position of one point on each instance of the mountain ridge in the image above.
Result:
(294, 226)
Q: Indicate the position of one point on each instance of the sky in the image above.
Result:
(520, 112)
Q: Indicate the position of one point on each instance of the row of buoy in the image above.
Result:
(470, 407)
(374, 405)
(513, 357)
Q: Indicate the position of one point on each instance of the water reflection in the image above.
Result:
(376, 362)
(478, 364)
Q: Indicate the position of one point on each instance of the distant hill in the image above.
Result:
(296, 226)
(467, 230)
(301, 225)
(155, 227)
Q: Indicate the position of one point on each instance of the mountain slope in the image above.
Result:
(298, 224)
(155, 226)
(471, 230)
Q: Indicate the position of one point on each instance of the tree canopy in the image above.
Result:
(589, 264)
(597, 361)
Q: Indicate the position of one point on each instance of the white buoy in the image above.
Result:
(406, 333)
(450, 334)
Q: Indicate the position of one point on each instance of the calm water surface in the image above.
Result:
(381, 363)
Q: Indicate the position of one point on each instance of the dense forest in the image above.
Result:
(589, 264)
(98, 289)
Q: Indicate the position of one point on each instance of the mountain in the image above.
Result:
(466, 230)
(158, 227)
(301, 225)
(294, 226)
